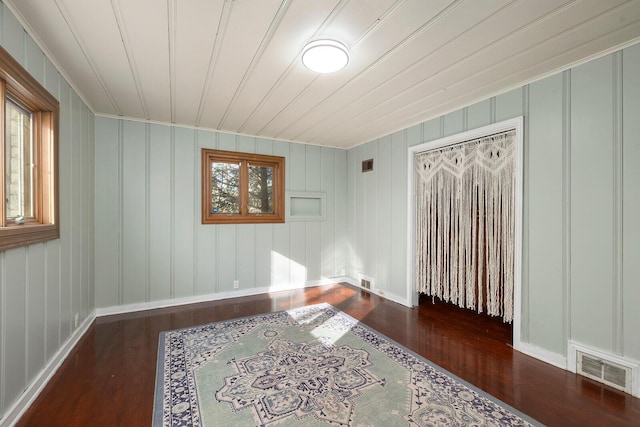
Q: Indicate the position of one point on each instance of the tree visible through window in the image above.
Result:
(242, 187)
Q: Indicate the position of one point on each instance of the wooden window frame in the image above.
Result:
(17, 83)
(244, 217)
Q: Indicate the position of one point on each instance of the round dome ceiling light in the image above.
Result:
(325, 56)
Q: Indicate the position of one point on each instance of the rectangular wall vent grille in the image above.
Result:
(604, 371)
(367, 165)
(367, 283)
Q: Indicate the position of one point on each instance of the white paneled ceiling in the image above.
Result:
(235, 65)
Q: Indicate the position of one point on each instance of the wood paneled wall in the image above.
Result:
(43, 286)
(150, 244)
(581, 257)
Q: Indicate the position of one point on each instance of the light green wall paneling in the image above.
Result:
(398, 189)
(327, 228)
(454, 122)
(34, 60)
(64, 167)
(384, 208)
(158, 152)
(164, 252)
(107, 208)
(36, 303)
(479, 114)
(580, 157)
(184, 203)
(507, 106)
(44, 285)
(14, 321)
(313, 231)
(134, 241)
(631, 201)
(592, 203)
(341, 218)
(52, 308)
(129, 198)
(13, 36)
(545, 292)
(433, 129)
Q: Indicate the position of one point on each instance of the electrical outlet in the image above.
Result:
(236, 284)
(76, 319)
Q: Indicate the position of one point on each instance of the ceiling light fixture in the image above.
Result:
(325, 56)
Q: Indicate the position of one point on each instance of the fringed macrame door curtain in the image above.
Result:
(465, 222)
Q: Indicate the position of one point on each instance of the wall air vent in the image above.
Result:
(366, 282)
(367, 165)
(604, 371)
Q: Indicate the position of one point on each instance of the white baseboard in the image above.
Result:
(13, 414)
(151, 305)
(543, 355)
(392, 297)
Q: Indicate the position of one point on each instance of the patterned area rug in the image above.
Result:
(310, 366)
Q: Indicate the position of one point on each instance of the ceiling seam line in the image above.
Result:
(511, 87)
(64, 14)
(115, 7)
(385, 16)
(495, 65)
(292, 65)
(223, 22)
(402, 43)
(171, 40)
(404, 70)
(264, 44)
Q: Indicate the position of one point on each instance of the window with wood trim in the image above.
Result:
(241, 188)
(29, 158)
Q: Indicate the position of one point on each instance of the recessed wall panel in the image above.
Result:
(159, 215)
(545, 210)
(631, 200)
(592, 203)
(134, 246)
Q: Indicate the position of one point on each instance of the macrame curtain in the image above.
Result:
(465, 223)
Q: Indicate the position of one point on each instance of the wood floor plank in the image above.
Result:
(109, 378)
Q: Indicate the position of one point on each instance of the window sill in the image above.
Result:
(240, 219)
(27, 234)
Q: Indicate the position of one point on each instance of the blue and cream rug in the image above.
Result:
(309, 366)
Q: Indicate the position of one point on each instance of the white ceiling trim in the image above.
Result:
(209, 129)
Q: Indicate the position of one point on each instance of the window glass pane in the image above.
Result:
(260, 189)
(225, 187)
(19, 170)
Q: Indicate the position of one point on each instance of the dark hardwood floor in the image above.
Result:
(108, 379)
